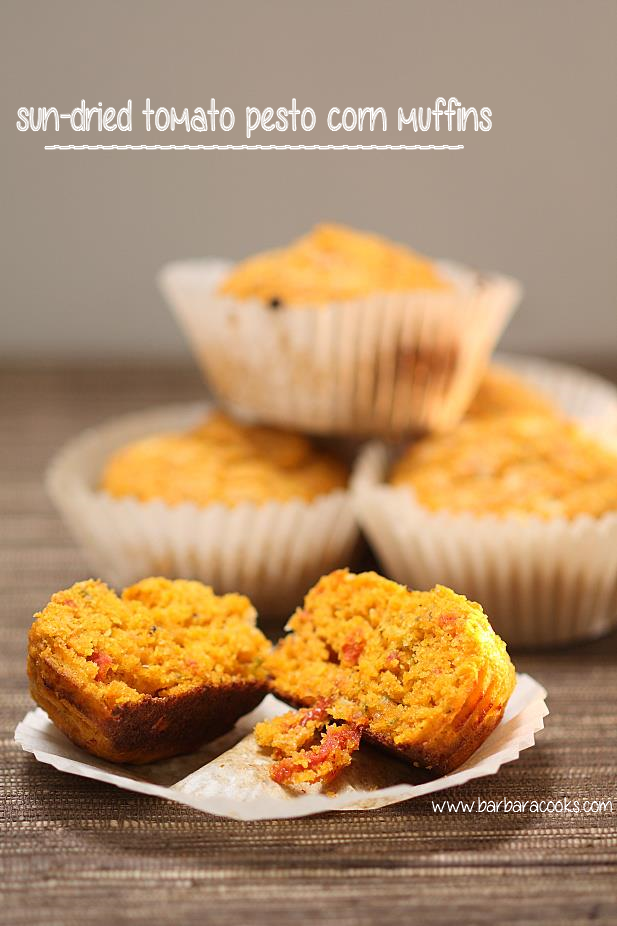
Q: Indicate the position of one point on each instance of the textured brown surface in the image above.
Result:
(74, 852)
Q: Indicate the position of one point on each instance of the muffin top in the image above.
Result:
(330, 264)
(224, 461)
(502, 392)
(515, 465)
(160, 637)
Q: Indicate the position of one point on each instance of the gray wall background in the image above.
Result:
(83, 233)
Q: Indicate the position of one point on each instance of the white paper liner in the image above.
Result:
(383, 365)
(234, 783)
(541, 583)
(581, 395)
(273, 552)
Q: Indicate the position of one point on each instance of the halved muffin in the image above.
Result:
(422, 674)
(153, 673)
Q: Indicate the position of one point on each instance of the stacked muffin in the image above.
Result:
(479, 483)
(516, 508)
(341, 333)
(346, 335)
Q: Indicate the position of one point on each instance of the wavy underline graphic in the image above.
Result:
(253, 147)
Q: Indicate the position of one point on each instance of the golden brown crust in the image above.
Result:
(480, 725)
(151, 729)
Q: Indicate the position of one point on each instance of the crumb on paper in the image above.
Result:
(300, 757)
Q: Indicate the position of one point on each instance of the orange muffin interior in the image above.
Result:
(225, 461)
(421, 673)
(516, 465)
(332, 263)
(160, 638)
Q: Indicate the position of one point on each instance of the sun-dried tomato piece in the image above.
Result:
(449, 622)
(321, 763)
(104, 662)
(316, 714)
(352, 649)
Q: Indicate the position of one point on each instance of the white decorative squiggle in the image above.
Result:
(253, 147)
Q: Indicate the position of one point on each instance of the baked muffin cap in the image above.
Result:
(502, 392)
(422, 673)
(331, 264)
(153, 673)
(518, 465)
(224, 461)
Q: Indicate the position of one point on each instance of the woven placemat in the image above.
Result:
(75, 852)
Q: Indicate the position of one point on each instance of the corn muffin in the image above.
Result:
(152, 673)
(420, 674)
(223, 461)
(502, 392)
(331, 264)
(517, 465)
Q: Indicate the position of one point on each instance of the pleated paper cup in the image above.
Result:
(385, 365)
(230, 776)
(273, 552)
(541, 583)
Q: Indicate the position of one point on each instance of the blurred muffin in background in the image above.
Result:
(502, 392)
(512, 465)
(223, 461)
(331, 264)
(342, 332)
(516, 511)
(188, 492)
